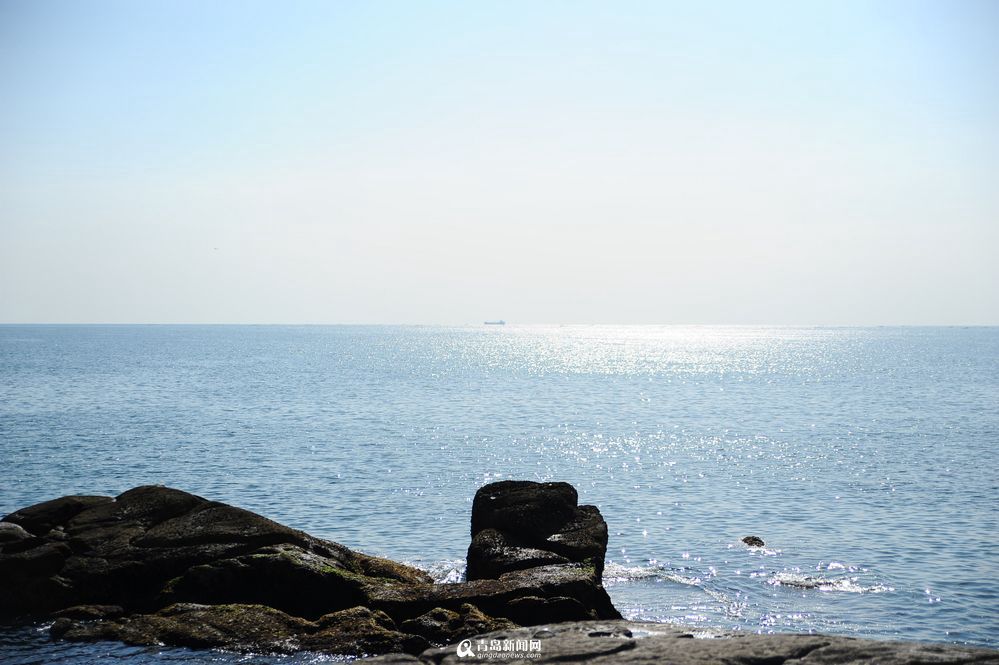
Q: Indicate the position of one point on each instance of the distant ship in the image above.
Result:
(501, 322)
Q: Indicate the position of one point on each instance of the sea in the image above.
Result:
(865, 458)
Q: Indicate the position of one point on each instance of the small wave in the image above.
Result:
(446, 571)
(844, 584)
(615, 573)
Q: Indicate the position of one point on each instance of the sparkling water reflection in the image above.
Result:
(865, 458)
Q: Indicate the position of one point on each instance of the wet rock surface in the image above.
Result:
(440, 626)
(519, 524)
(631, 642)
(156, 565)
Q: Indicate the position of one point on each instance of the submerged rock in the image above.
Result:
(156, 565)
(753, 541)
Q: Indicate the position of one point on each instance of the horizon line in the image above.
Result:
(482, 323)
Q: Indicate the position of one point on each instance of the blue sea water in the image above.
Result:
(864, 457)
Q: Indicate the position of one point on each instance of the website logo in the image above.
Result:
(465, 649)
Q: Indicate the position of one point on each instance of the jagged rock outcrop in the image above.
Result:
(519, 524)
(158, 565)
(154, 546)
(624, 642)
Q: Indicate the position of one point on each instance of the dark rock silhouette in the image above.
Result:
(753, 541)
(154, 546)
(520, 524)
(158, 565)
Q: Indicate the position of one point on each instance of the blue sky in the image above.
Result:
(446, 162)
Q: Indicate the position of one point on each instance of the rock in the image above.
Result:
(249, 628)
(361, 631)
(440, 626)
(753, 541)
(288, 577)
(534, 610)
(491, 554)
(495, 597)
(518, 525)
(90, 612)
(437, 626)
(41, 560)
(535, 510)
(583, 538)
(234, 627)
(12, 533)
(474, 622)
(42, 517)
(623, 642)
(156, 565)
(159, 566)
(153, 546)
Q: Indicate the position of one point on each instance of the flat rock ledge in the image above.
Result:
(157, 565)
(623, 642)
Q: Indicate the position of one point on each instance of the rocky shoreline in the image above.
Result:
(158, 566)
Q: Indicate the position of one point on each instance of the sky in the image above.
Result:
(829, 163)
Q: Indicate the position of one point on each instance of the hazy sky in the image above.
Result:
(425, 162)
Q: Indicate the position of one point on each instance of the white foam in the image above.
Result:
(446, 571)
(820, 583)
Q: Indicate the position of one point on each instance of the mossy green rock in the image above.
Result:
(256, 628)
(440, 626)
